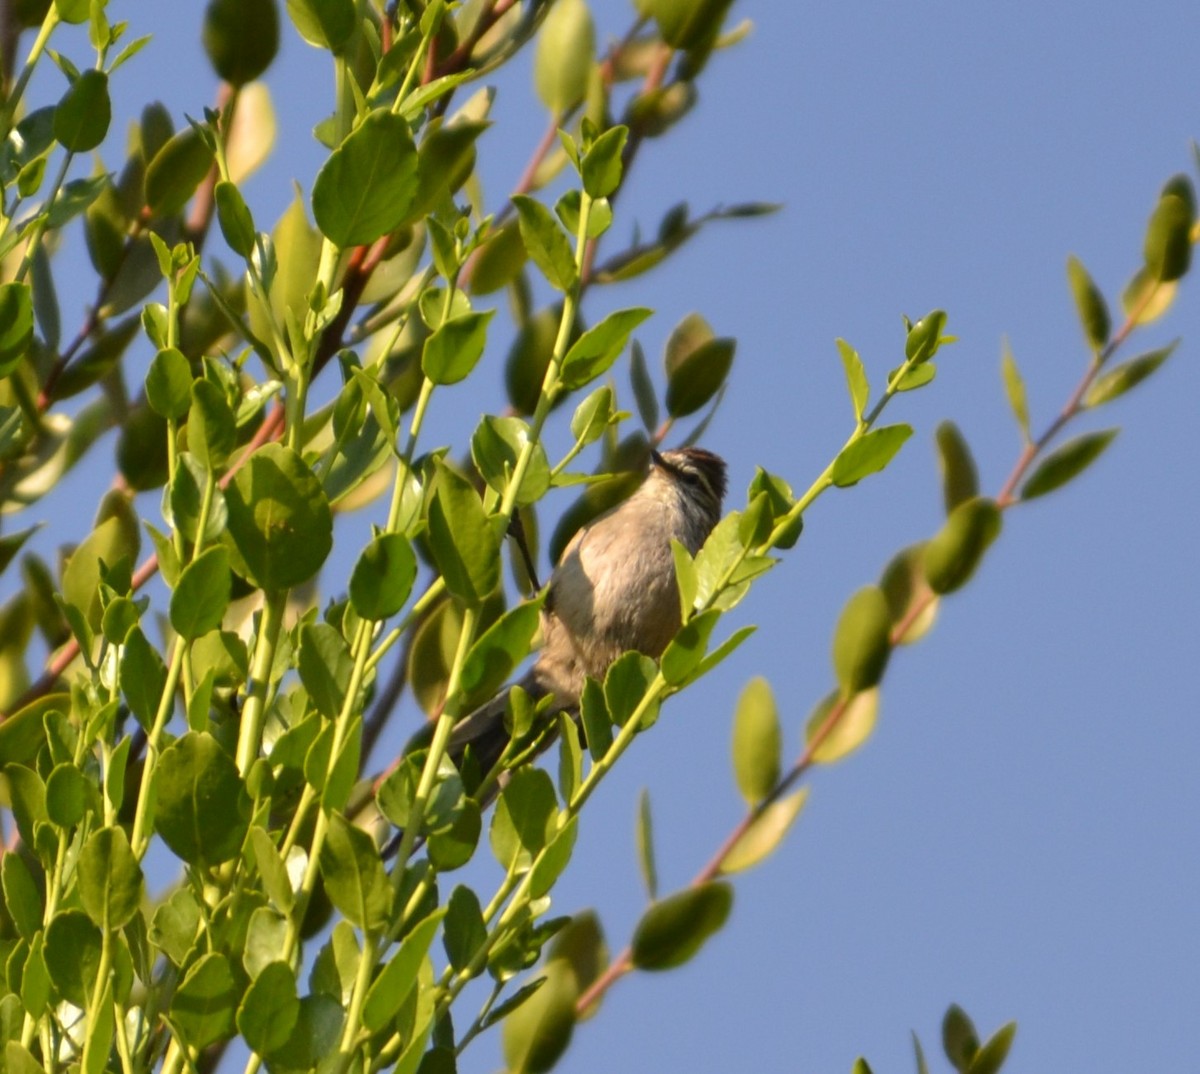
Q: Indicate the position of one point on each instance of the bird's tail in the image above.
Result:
(482, 734)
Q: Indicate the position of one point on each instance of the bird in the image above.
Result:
(613, 591)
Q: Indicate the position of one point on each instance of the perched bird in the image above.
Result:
(613, 591)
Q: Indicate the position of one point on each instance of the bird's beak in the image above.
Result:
(657, 460)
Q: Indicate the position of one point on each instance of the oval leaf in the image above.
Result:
(279, 519)
(861, 645)
(1066, 463)
(675, 928)
(868, 454)
(953, 555)
(383, 576)
(365, 188)
(1093, 310)
(757, 741)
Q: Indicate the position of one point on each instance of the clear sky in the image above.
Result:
(1021, 833)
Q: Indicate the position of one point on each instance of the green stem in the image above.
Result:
(39, 229)
(35, 51)
(437, 748)
(139, 838)
(254, 712)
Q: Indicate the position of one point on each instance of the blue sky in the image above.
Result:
(1020, 834)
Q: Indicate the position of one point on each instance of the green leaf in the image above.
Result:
(959, 1039)
(524, 818)
(354, 876)
(212, 431)
(366, 187)
(204, 1006)
(97, 1044)
(855, 721)
(110, 879)
(452, 351)
(452, 843)
(83, 114)
(177, 169)
(21, 898)
(1120, 379)
(233, 215)
(241, 38)
(316, 1035)
(175, 925)
(182, 501)
(685, 654)
(464, 543)
(550, 864)
(169, 384)
(325, 667)
(868, 454)
(17, 1058)
(925, 337)
(200, 599)
(952, 556)
(856, 378)
(1093, 310)
(496, 653)
(1066, 463)
(1168, 247)
(143, 677)
(594, 352)
(72, 11)
(626, 683)
(695, 377)
(1014, 388)
(566, 47)
(498, 260)
(279, 519)
(861, 644)
(960, 479)
(399, 975)
(72, 950)
(643, 388)
(1145, 298)
(644, 835)
(383, 577)
(16, 324)
(757, 742)
(115, 539)
(765, 832)
(686, 579)
(919, 1055)
(903, 583)
(464, 933)
(909, 378)
(990, 1058)
(203, 807)
(782, 500)
(536, 1034)
(674, 929)
(686, 24)
(327, 24)
(271, 868)
(98, 360)
(597, 724)
(496, 446)
(548, 247)
(446, 156)
(603, 162)
(595, 414)
(269, 1009)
